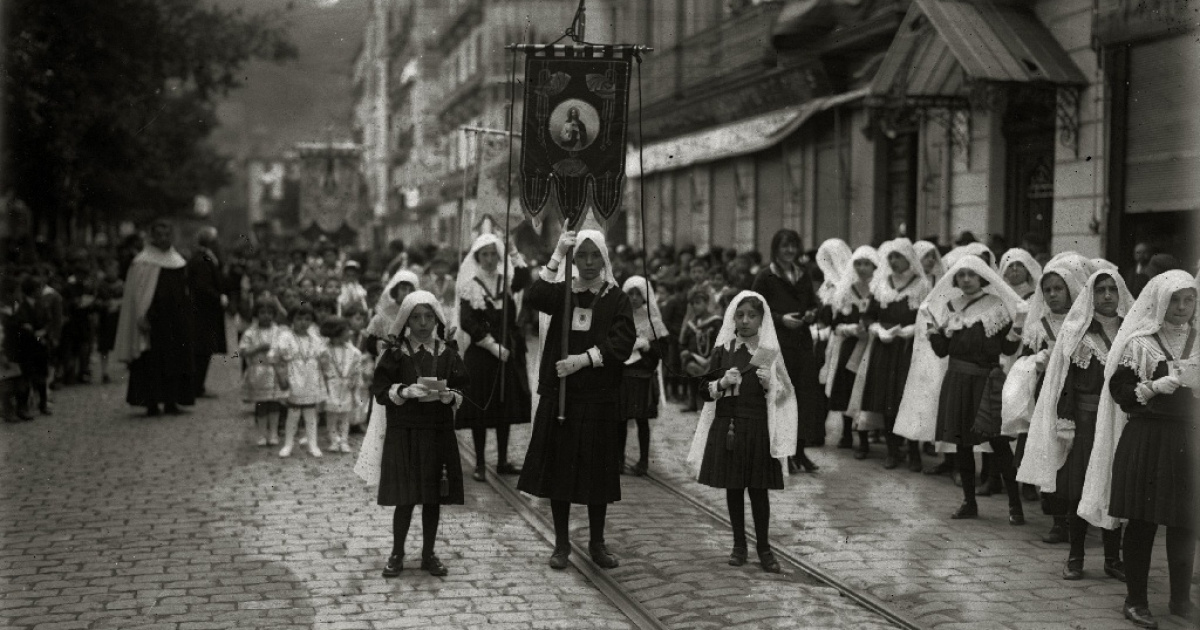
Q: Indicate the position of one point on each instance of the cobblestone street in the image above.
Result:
(113, 520)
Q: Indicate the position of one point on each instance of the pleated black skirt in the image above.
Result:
(958, 404)
(639, 397)
(843, 379)
(415, 461)
(576, 460)
(744, 463)
(1064, 501)
(887, 374)
(1153, 471)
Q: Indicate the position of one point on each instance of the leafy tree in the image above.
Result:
(109, 104)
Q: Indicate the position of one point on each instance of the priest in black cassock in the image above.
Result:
(154, 331)
(207, 285)
(576, 459)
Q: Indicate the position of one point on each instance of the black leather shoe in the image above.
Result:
(890, 463)
(558, 559)
(966, 510)
(479, 474)
(861, 453)
(601, 556)
(640, 469)
(1074, 569)
(807, 464)
(1115, 569)
(395, 564)
(1056, 535)
(1140, 616)
(1184, 609)
(768, 562)
(738, 557)
(507, 469)
(793, 468)
(433, 566)
(1016, 515)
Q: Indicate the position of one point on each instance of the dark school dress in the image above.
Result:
(577, 460)
(1154, 468)
(1078, 402)
(796, 345)
(639, 383)
(698, 337)
(973, 354)
(887, 373)
(745, 461)
(420, 453)
(485, 407)
(843, 378)
(164, 372)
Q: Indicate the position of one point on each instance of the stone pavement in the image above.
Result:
(112, 520)
(889, 532)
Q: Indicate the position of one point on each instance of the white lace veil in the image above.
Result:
(843, 298)
(1074, 269)
(883, 291)
(1144, 319)
(386, 308)
(466, 289)
(832, 256)
(1018, 255)
(976, 249)
(781, 397)
(1045, 454)
(411, 301)
(939, 268)
(917, 417)
(648, 319)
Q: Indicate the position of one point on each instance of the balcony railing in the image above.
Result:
(704, 60)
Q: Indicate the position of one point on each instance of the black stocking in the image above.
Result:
(502, 444)
(430, 513)
(597, 512)
(1139, 543)
(401, 519)
(1181, 555)
(1077, 534)
(479, 438)
(643, 430)
(965, 457)
(736, 500)
(760, 508)
(561, 511)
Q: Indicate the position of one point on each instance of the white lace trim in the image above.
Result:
(474, 294)
(885, 293)
(1089, 347)
(994, 318)
(1142, 355)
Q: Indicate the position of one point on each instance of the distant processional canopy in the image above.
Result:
(574, 126)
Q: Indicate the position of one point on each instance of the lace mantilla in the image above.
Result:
(886, 293)
(1091, 346)
(472, 292)
(991, 312)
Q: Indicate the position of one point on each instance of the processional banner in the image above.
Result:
(574, 124)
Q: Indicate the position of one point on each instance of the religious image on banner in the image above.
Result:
(576, 111)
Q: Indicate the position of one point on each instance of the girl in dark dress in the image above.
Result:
(793, 304)
(420, 464)
(847, 306)
(897, 292)
(640, 391)
(833, 259)
(572, 456)
(1063, 427)
(969, 320)
(488, 347)
(746, 429)
(1143, 463)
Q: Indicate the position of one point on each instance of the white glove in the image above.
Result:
(847, 330)
(1041, 358)
(494, 347)
(1165, 385)
(446, 397)
(572, 364)
(907, 332)
(885, 335)
(565, 242)
(764, 377)
(732, 377)
(414, 391)
(641, 344)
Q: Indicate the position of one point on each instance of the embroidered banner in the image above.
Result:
(574, 124)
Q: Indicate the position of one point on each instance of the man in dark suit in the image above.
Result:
(208, 301)
(1137, 276)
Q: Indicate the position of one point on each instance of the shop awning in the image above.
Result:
(734, 139)
(943, 44)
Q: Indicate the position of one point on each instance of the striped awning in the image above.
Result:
(944, 44)
(733, 139)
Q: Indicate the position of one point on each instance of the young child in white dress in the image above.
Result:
(345, 367)
(264, 372)
(303, 351)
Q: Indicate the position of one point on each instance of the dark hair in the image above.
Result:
(982, 281)
(783, 237)
(333, 327)
(474, 255)
(699, 291)
(1105, 274)
(396, 287)
(352, 309)
(755, 302)
(303, 308)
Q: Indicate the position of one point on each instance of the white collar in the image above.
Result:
(415, 345)
(751, 343)
(595, 286)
